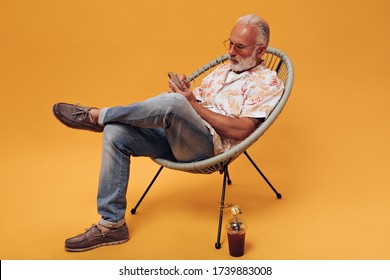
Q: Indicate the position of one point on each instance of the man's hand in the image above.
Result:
(185, 85)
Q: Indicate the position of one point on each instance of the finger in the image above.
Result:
(188, 84)
(182, 78)
(170, 87)
(183, 85)
(173, 86)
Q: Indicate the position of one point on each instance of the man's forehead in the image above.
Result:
(243, 33)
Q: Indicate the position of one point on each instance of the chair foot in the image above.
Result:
(146, 191)
(218, 245)
(228, 176)
(278, 195)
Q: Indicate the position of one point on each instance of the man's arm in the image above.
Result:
(236, 129)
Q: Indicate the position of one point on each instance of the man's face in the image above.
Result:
(244, 52)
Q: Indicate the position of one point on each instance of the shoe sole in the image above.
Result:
(57, 113)
(96, 246)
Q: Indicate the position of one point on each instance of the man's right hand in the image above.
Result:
(185, 84)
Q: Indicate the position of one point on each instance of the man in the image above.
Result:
(180, 125)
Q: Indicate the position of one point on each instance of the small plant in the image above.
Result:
(236, 231)
(234, 222)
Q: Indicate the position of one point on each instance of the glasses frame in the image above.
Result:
(228, 44)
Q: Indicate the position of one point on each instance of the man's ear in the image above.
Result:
(261, 51)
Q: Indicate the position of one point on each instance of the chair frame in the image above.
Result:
(275, 60)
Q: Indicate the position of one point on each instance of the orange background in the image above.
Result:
(328, 153)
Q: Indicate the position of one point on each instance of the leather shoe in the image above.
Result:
(76, 116)
(93, 238)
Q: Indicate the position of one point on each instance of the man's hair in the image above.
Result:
(261, 26)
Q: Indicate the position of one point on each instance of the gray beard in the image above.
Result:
(244, 64)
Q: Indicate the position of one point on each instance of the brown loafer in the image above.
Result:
(76, 116)
(93, 238)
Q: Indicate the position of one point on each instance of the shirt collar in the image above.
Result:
(232, 76)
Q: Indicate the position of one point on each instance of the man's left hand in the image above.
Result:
(185, 85)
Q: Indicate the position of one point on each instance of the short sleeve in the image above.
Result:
(263, 94)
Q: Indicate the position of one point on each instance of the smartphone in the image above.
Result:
(173, 77)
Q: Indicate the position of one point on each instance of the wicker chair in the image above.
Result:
(275, 60)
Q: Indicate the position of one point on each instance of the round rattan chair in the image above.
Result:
(275, 60)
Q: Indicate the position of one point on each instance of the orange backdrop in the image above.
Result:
(328, 153)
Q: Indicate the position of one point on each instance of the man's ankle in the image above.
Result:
(95, 115)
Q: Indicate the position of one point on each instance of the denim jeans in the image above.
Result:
(165, 126)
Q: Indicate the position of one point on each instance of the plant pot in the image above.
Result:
(236, 239)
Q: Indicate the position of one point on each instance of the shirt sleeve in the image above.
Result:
(263, 95)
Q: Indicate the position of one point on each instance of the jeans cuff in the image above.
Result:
(102, 114)
(111, 224)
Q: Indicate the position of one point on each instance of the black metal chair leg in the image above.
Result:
(278, 195)
(221, 207)
(146, 191)
(228, 176)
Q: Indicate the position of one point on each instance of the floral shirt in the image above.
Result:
(253, 94)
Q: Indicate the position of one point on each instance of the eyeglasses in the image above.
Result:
(237, 47)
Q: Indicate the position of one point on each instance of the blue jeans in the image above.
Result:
(165, 126)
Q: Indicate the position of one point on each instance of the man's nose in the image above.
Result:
(232, 50)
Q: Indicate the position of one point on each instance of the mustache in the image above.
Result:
(234, 59)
